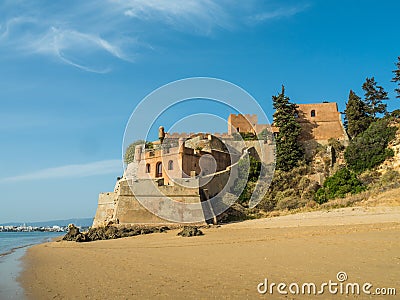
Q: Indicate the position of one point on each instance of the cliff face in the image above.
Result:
(393, 162)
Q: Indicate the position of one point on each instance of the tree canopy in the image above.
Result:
(396, 77)
(357, 118)
(288, 150)
(374, 95)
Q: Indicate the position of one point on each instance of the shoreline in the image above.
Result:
(227, 261)
(11, 266)
(12, 250)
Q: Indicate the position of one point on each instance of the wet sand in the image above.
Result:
(227, 262)
(10, 267)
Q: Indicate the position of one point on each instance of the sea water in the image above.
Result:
(12, 248)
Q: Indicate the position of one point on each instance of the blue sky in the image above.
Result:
(72, 72)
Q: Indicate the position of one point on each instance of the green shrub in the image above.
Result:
(129, 155)
(369, 149)
(335, 144)
(245, 136)
(339, 185)
(248, 136)
(247, 184)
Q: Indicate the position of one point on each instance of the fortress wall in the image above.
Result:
(224, 135)
(322, 131)
(260, 127)
(265, 149)
(320, 122)
(242, 123)
(323, 111)
(105, 208)
(185, 135)
(222, 159)
(217, 183)
(327, 130)
(130, 211)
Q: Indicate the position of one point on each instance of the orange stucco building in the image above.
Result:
(202, 154)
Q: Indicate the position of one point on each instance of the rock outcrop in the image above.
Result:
(189, 231)
(108, 232)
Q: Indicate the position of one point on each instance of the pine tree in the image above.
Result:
(288, 150)
(396, 78)
(374, 95)
(357, 117)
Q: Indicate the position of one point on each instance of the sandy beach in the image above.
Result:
(227, 262)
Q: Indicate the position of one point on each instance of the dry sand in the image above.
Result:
(227, 262)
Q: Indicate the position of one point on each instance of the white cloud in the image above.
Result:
(90, 35)
(201, 15)
(70, 45)
(282, 12)
(71, 171)
(7, 26)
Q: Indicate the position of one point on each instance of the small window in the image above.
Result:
(313, 113)
(170, 165)
(147, 168)
(159, 169)
(238, 129)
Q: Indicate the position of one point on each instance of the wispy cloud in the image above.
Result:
(70, 171)
(282, 12)
(11, 23)
(90, 34)
(200, 16)
(69, 45)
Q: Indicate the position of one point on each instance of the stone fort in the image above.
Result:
(319, 122)
(204, 162)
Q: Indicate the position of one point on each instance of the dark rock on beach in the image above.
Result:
(73, 233)
(189, 231)
(108, 232)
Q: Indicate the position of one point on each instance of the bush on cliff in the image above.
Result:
(246, 183)
(289, 190)
(129, 155)
(369, 149)
(339, 185)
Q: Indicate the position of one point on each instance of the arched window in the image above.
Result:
(159, 169)
(313, 113)
(170, 165)
(147, 168)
